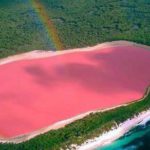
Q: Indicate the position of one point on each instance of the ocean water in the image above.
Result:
(136, 139)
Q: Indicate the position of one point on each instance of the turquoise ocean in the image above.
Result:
(137, 138)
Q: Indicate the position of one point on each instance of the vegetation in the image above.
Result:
(79, 23)
(79, 131)
(88, 22)
(20, 28)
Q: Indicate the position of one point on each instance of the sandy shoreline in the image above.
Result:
(114, 134)
(36, 54)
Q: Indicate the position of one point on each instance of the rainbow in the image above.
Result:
(48, 24)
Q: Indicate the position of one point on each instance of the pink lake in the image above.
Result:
(39, 92)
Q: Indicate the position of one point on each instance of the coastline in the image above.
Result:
(115, 133)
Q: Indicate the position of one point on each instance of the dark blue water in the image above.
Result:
(136, 139)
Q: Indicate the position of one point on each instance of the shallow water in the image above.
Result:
(136, 139)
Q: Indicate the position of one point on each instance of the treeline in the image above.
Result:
(79, 131)
(88, 22)
(79, 23)
(20, 28)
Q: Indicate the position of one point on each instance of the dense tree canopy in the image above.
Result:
(79, 23)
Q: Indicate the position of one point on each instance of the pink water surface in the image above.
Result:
(37, 93)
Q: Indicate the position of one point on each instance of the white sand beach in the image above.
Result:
(115, 133)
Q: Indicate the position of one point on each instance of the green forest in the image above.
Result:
(79, 23)
(81, 130)
(20, 28)
(88, 22)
